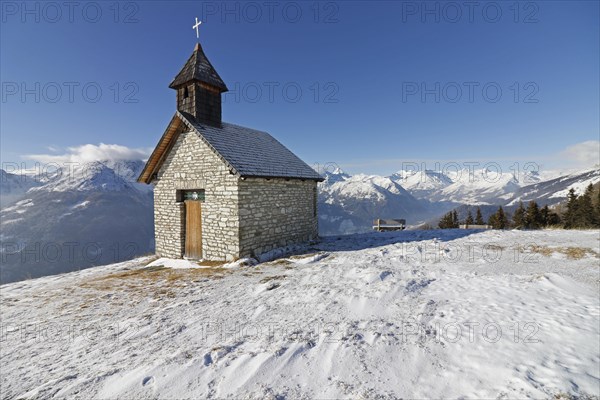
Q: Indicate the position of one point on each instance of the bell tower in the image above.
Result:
(199, 88)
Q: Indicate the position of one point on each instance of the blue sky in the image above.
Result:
(381, 82)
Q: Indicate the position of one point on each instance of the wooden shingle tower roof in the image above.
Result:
(198, 68)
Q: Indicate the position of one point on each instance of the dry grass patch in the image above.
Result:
(289, 261)
(147, 273)
(580, 396)
(156, 281)
(152, 258)
(577, 253)
(494, 247)
(572, 253)
(316, 256)
(252, 273)
(210, 263)
(281, 261)
(543, 250)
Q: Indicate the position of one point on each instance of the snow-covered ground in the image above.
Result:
(420, 314)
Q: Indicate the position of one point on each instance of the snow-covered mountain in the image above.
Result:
(75, 217)
(14, 186)
(422, 184)
(555, 190)
(95, 176)
(349, 204)
(477, 186)
(485, 187)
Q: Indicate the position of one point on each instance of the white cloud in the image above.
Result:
(91, 152)
(584, 154)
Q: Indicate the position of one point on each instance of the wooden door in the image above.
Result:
(193, 229)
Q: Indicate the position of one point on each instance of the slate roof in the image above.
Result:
(252, 153)
(198, 68)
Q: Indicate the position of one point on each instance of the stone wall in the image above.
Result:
(275, 213)
(191, 164)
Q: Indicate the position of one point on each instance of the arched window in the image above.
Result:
(186, 94)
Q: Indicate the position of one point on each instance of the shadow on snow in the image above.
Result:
(372, 240)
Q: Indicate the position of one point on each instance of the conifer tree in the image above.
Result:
(446, 222)
(548, 217)
(469, 220)
(498, 220)
(492, 220)
(532, 218)
(553, 219)
(454, 219)
(544, 216)
(502, 219)
(569, 217)
(479, 217)
(584, 215)
(519, 217)
(597, 210)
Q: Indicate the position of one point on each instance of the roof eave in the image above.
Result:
(222, 88)
(155, 160)
(303, 178)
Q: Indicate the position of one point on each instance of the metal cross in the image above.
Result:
(196, 28)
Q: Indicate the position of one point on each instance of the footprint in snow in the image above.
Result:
(428, 312)
(415, 286)
(149, 380)
(385, 274)
(207, 359)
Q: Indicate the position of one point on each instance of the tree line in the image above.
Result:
(579, 212)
